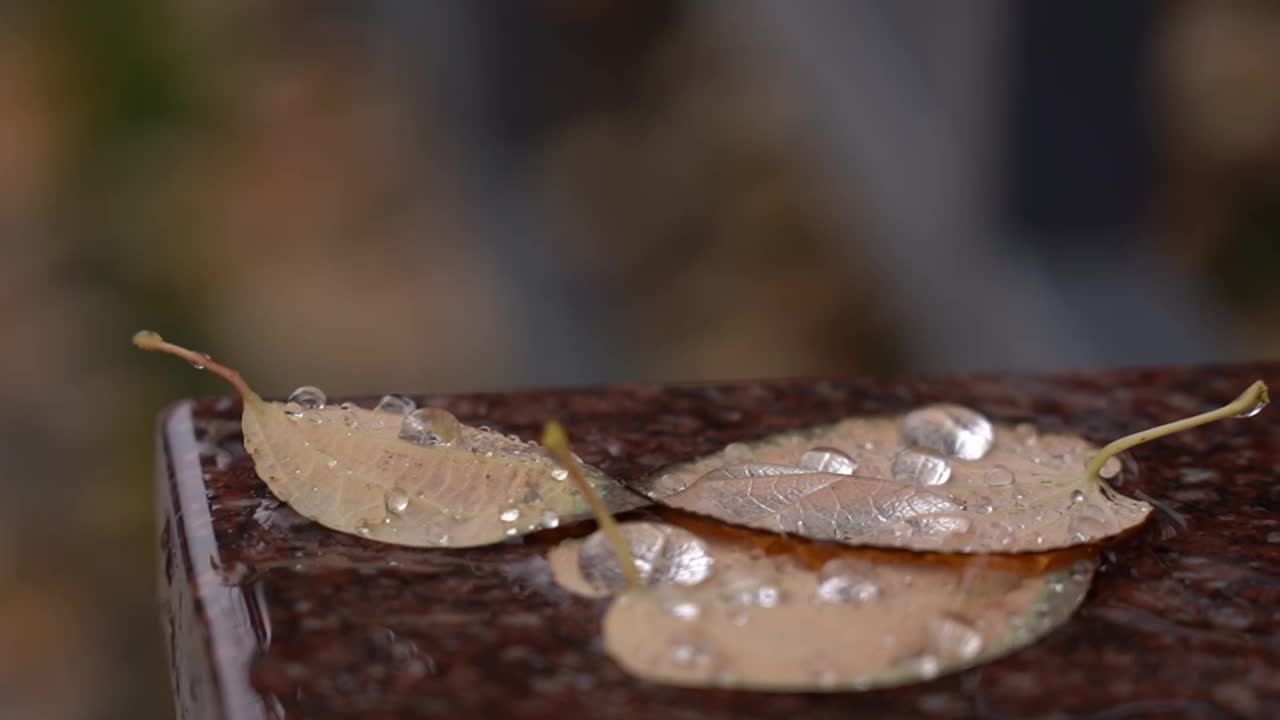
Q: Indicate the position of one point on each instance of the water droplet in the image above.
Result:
(751, 592)
(689, 654)
(1077, 496)
(550, 519)
(1257, 408)
(511, 532)
(397, 500)
(200, 365)
(920, 468)
(982, 506)
(924, 666)
(1027, 433)
(845, 580)
(559, 473)
(688, 611)
(509, 515)
(737, 452)
(431, 426)
(954, 638)
(308, 397)
(949, 429)
(662, 553)
(828, 460)
(293, 410)
(363, 529)
(999, 476)
(395, 405)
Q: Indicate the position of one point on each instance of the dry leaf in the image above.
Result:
(403, 475)
(861, 619)
(940, 478)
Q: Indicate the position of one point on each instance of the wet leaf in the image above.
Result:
(403, 475)
(940, 478)
(860, 619)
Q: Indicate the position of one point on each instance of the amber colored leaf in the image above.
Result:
(941, 478)
(863, 619)
(446, 485)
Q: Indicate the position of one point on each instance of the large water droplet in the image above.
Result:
(397, 500)
(914, 466)
(828, 460)
(559, 473)
(949, 429)
(509, 515)
(844, 580)
(954, 638)
(395, 405)
(431, 426)
(662, 553)
(1077, 496)
(550, 519)
(308, 397)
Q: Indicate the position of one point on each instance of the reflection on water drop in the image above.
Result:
(1257, 408)
(999, 476)
(1077, 496)
(942, 524)
(308, 397)
(954, 638)
(688, 611)
(662, 553)
(925, 666)
(559, 473)
(509, 515)
(431, 426)
(845, 580)
(200, 365)
(689, 654)
(949, 429)
(982, 506)
(751, 592)
(395, 405)
(550, 519)
(914, 466)
(349, 417)
(397, 500)
(828, 460)
(293, 410)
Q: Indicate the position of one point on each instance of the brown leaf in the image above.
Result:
(420, 479)
(862, 619)
(941, 478)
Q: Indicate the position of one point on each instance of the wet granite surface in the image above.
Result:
(271, 616)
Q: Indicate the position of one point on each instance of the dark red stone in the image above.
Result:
(269, 615)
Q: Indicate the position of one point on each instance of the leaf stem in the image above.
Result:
(1250, 401)
(556, 440)
(148, 340)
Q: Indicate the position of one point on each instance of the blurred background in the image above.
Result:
(476, 195)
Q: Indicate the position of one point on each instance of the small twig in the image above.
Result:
(1249, 402)
(556, 440)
